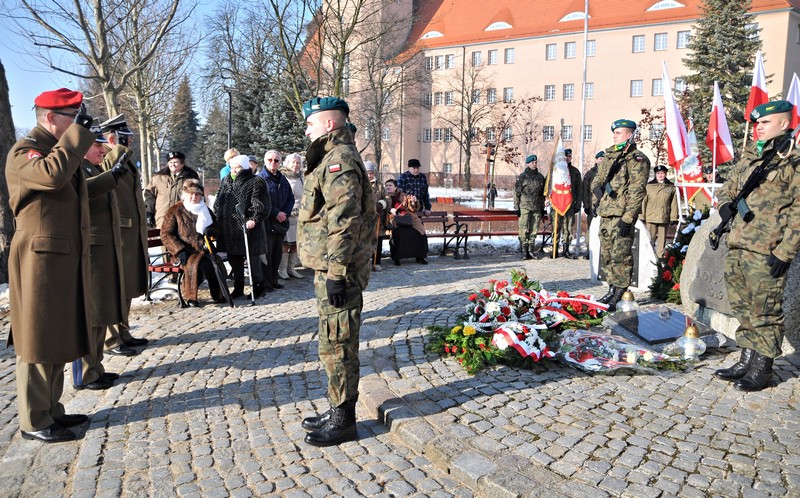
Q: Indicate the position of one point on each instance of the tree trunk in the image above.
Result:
(7, 139)
(467, 173)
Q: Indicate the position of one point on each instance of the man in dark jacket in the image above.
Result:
(276, 223)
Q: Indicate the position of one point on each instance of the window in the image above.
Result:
(566, 133)
(587, 133)
(426, 135)
(549, 92)
(680, 85)
(448, 134)
(550, 52)
(591, 48)
(660, 41)
(589, 91)
(508, 134)
(428, 99)
(447, 168)
(368, 133)
(448, 98)
(491, 95)
(637, 88)
(429, 63)
(492, 57)
(438, 134)
(440, 62)
(508, 94)
(656, 129)
(474, 134)
(386, 134)
(476, 96)
(683, 39)
(658, 87)
(476, 58)
(638, 43)
(490, 134)
(569, 91)
(548, 133)
(438, 98)
(508, 56)
(449, 61)
(570, 49)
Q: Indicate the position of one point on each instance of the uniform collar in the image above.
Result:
(322, 145)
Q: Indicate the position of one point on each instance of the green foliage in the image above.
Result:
(182, 123)
(472, 348)
(212, 142)
(280, 129)
(722, 49)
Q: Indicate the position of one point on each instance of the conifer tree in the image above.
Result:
(182, 127)
(212, 142)
(722, 48)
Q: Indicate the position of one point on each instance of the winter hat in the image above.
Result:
(370, 166)
(193, 186)
(241, 160)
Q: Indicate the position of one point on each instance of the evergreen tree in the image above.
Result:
(281, 128)
(723, 49)
(212, 142)
(182, 126)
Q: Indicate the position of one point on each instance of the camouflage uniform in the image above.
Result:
(755, 296)
(529, 201)
(566, 223)
(336, 238)
(629, 186)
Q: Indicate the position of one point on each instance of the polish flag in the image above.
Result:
(560, 191)
(692, 167)
(677, 138)
(794, 97)
(718, 137)
(758, 91)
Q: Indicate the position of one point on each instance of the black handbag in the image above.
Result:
(279, 227)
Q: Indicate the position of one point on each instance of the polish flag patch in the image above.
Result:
(33, 154)
(335, 168)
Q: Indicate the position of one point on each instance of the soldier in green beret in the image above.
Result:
(618, 191)
(529, 204)
(764, 238)
(336, 238)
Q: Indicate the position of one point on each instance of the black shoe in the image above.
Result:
(53, 434)
(98, 385)
(615, 298)
(276, 285)
(340, 428)
(759, 374)
(317, 423)
(238, 290)
(135, 341)
(71, 420)
(122, 351)
(396, 262)
(738, 369)
(192, 303)
(258, 291)
(568, 254)
(422, 261)
(607, 295)
(110, 376)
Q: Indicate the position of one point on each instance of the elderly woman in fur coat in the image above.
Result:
(182, 231)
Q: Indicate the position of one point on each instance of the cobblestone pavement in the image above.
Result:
(213, 408)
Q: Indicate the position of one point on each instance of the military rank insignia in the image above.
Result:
(334, 168)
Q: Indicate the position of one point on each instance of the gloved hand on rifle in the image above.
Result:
(777, 266)
(119, 169)
(337, 292)
(624, 228)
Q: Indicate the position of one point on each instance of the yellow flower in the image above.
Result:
(469, 330)
(456, 329)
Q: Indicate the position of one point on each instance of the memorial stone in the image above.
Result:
(644, 257)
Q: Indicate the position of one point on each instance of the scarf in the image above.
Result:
(203, 215)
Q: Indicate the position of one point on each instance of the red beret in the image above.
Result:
(59, 99)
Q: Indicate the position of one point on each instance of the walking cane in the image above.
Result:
(240, 209)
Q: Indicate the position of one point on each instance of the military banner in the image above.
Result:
(559, 182)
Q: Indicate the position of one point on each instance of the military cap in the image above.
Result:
(707, 170)
(116, 124)
(623, 123)
(600, 154)
(353, 128)
(660, 167)
(99, 138)
(774, 107)
(193, 186)
(531, 158)
(567, 152)
(414, 163)
(318, 104)
(176, 155)
(59, 99)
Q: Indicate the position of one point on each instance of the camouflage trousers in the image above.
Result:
(338, 338)
(528, 226)
(566, 224)
(757, 301)
(616, 257)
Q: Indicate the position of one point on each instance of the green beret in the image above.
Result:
(602, 153)
(567, 152)
(318, 104)
(531, 158)
(774, 107)
(623, 123)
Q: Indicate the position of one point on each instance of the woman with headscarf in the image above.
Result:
(182, 231)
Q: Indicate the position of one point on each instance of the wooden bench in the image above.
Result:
(161, 264)
(474, 223)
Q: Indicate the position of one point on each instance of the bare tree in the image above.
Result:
(7, 140)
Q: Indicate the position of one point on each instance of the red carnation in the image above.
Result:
(521, 337)
(667, 275)
(505, 310)
(473, 297)
(501, 318)
(486, 292)
(482, 346)
(671, 261)
(676, 286)
(562, 294)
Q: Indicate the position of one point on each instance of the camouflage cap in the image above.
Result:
(774, 107)
(318, 104)
(623, 123)
(531, 158)
(600, 154)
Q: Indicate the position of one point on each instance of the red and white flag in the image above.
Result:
(718, 137)
(794, 97)
(560, 191)
(692, 167)
(677, 140)
(758, 90)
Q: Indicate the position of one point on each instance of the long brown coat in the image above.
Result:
(133, 227)
(179, 232)
(106, 247)
(48, 267)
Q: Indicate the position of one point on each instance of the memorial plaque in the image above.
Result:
(644, 258)
(657, 324)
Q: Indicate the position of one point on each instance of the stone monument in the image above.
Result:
(644, 257)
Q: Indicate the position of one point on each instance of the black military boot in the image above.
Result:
(318, 422)
(567, 253)
(759, 374)
(238, 289)
(341, 427)
(738, 369)
(615, 298)
(607, 295)
(536, 254)
(527, 250)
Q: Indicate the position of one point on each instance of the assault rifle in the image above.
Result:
(738, 204)
(606, 189)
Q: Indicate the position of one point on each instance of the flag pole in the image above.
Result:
(583, 126)
(746, 132)
(555, 233)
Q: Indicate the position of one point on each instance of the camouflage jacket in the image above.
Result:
(529, 191)
(336, 223)
(629, 184)
(775, 204)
